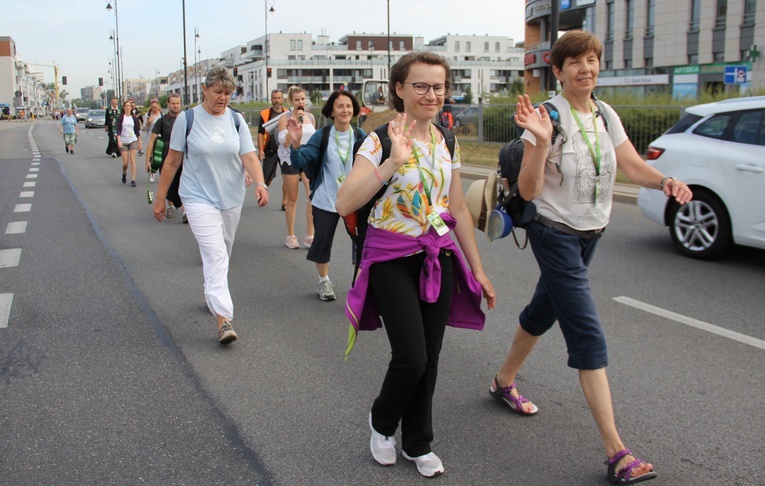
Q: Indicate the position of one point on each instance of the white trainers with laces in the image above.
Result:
(325, 290)
(383, 448)
(428, 465)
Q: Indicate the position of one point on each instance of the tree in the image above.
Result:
(468, 95)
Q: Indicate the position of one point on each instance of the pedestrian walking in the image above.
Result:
(326, 170)
(163, 128)
(69, 129)
(152, 116)
(571, 183)
(216, 156)
(291, 176)
(128, 140)
(410, 265)
(268, 145)
(110, 127)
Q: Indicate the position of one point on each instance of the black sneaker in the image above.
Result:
(140, 152)
(124, 178)
(132, 183)
(66, 147)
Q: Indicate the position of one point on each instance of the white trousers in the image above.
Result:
(214, 230)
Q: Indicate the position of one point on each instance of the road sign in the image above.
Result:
(735, 74)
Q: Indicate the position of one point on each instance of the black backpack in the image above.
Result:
(510, 157)
(356, 223)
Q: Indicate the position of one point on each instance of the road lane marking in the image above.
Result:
(10, 258)
(31, 176)
(22, 208)
(27, 194)
(688, 321)
(16, 227)
(30, 184)
(34, 169)
(36, 163)
(5, 309)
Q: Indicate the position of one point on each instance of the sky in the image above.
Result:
(75, 33)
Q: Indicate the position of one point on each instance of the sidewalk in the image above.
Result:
(622, 192)
(6, 124)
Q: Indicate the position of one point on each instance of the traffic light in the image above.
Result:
(100, 81)
(269, 72)
(236, 71)
(63, 79)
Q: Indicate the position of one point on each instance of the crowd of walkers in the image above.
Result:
(419, 269)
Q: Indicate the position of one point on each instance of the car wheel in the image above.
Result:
(701, 228)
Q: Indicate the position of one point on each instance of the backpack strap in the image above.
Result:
(324, 141)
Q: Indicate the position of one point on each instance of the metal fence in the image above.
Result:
(494, 123)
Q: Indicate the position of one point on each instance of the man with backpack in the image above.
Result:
(268, 145)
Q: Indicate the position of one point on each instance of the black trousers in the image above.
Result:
(415, 331)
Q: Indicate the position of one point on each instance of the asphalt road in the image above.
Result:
(110, 372)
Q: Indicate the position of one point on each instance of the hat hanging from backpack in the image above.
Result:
(481, 199)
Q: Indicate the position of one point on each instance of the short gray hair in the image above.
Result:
(220, 75)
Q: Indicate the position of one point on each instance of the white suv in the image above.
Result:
(718, 149)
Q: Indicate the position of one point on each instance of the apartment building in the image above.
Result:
(21, 85)
(682, 47)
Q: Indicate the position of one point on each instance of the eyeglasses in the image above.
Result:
(423, 88)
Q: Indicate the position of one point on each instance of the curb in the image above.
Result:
(622, 192)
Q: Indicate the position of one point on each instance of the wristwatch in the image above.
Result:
(663, 181)
(262, 184)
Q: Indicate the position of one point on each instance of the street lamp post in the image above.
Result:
(196, 66)
(266, 4)
(185, 65)
(120, 72)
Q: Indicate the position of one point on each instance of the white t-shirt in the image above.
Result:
(308, 130)
(572, 192)
(404, 208)
(213, 172)
(127, 135)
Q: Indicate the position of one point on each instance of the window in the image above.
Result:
(300, 44)
(485, 47)
(496, 47)
(747, 128)
(371, 44)
(292, 44)
(456, 46)
(714, 127)
(467, 46)
(650, 17)
(720, 13)
(695, 15)
(291, 57)
(358, 45)
(750, 7)
(630, 21)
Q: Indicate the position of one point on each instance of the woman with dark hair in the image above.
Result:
(216, 154)
(412, 274)
(326, 170)
(571, 183)
(128, 140)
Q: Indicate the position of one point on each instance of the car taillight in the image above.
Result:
(653, 153)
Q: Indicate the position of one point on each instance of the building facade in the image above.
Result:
(22, 87)
(682, 48)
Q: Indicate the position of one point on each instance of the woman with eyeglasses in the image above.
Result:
(411, 268)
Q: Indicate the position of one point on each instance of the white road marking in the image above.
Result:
(22, 208)
(10, 258)
(5, 309)
(688, 321)
(30, 184)
(31, 176)
(36, 163)
(27, 194)
(34, 169)
(16, 227)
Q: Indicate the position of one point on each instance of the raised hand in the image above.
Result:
(295, 129)
(400, 140)
(526, 117)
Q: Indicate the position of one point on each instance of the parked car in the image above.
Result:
(465, 117)
(95, 118)
(718, 149)
(81, 114)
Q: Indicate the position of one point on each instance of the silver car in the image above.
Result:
(95, 118)
(81, 114)
(718, 149)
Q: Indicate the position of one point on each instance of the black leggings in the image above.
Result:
(415, 331)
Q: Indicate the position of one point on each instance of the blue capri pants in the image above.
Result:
(563, 294)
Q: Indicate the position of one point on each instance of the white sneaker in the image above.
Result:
(428, 465)
(383, 448)
(151, 177)
(326, 292)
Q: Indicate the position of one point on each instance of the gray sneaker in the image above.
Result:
(383, 448)
(170, 212)
(226, 334)
(428, 465)
(325, 290)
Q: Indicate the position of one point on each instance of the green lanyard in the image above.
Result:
(344, 160)
(596, 153)
(428, 190)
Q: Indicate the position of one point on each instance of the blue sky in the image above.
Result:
(75, 33)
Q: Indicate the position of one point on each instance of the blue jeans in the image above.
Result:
(563, 294)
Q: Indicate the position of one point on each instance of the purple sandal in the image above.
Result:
(515, 403)
(624, 475)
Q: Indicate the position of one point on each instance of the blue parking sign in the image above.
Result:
(735, 74)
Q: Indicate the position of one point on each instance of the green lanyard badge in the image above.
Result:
(596, 152)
